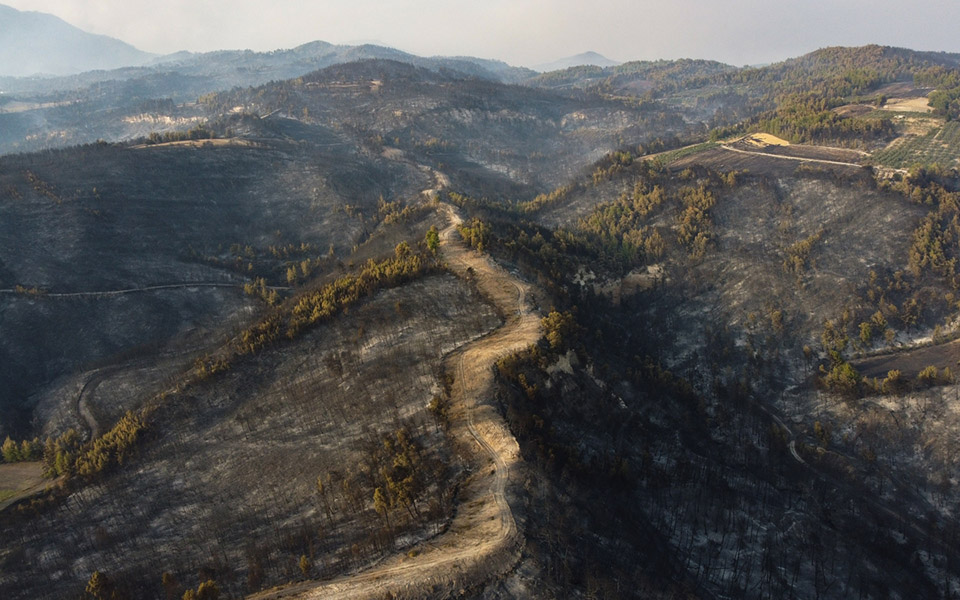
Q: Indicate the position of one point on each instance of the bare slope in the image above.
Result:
(226, 487)
(81, 222)
(480, 130)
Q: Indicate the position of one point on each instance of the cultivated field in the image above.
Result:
(940, 145)
(760, 162)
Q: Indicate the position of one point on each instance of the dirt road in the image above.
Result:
(483, 540)
(83, 404)
(794, 158)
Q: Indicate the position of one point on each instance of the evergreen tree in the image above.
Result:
(10, 451)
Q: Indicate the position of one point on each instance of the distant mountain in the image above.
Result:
(587, 58)
(317, 55)
(186, 75)
(33, 43)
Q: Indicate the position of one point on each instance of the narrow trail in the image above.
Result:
(93, 381)
(83, 407)
(149, 288)
(483, 540)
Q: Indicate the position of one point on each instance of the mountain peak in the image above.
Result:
(586, 58)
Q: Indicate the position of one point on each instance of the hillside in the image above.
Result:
(33, 43)
(92, 219)
(127, 103)
(708, 301)
(481, 131)
(668, 329)
(123, 104)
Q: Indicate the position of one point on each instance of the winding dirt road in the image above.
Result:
(483, 540)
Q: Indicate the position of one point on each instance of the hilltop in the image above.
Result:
(585, 58)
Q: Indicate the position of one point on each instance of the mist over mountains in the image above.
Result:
(33, 43)
(39, 44)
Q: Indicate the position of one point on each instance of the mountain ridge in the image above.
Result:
(35, 43)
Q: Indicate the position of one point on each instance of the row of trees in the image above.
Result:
(58, 455)
(68, 455)
(843, 378)
(314, 306)
(101, 586)
(200, 132)
(945, 99)
(27, 450)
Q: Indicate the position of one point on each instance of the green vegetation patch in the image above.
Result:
(674, 155)
(939, 146)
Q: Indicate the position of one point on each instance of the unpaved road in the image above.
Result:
(795, 158)
(94, 379)
(83, 407)
(482, 541)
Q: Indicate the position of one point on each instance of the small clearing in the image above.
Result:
(770, 146)
(19, 480)
(902, 89)
(727, 158)
(919, 105)
(854, 110)
(17, 106)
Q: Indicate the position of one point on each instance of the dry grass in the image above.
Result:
(19, 480)
(908, 105)
(853, 110)
(918, 126)
(762, 140)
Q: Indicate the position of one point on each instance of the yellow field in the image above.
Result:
(762, 140)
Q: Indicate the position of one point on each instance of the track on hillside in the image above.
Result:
(483, 541)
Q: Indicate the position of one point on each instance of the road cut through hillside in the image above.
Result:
(483, 541)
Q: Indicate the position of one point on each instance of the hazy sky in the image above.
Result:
(523, 32)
